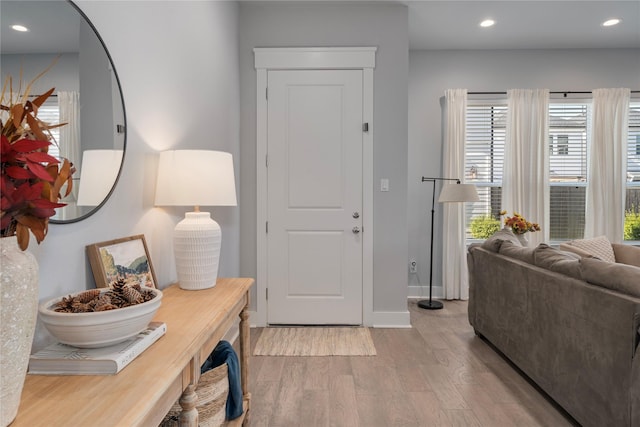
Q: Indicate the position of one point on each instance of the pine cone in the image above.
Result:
(88, 296)
(132, 296)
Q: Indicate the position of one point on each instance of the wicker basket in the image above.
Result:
(212, 391)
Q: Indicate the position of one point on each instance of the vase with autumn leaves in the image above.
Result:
(32, 183)
(519, 226)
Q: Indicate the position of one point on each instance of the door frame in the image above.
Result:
(316, 58)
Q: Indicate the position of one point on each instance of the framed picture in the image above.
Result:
(126, 258)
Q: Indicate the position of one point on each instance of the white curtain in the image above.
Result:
(606, 181)
(525, 187)
(69, 106)
(455, 279)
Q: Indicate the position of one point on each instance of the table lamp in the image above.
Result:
(98, 173)
(196, 178)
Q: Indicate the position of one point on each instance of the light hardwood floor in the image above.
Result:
(437, 373)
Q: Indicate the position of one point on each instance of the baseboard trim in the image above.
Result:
(422, 292)
(391, 319)
(380, 319)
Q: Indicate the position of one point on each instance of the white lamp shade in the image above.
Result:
(458, 193)
(195, 178)
(98, 173)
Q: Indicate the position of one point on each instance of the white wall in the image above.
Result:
(63, 75)
(178, 66)
(431, 72)
(385, 25)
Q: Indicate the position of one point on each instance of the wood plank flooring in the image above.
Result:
(436, 374)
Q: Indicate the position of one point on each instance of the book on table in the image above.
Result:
(63, 359)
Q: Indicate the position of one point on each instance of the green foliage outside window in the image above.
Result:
(631, 225)
(483, 227)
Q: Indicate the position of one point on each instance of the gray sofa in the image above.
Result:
(576, 340)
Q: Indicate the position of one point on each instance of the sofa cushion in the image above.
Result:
(626, 254)
(494, 242)
(620, 277)
(553, 259)
(599, 247)
(517, 251)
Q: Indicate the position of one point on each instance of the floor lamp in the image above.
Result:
(448, 194)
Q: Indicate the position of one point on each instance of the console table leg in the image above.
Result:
(244, 358)
(189, 414)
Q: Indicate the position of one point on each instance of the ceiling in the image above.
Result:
(523, 24)
(54, 27)
(450, 24)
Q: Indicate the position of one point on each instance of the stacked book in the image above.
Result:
(63, 359)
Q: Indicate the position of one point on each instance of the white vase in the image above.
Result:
(19, 309)
(523, 239)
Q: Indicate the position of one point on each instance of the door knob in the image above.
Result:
(355, 230)
(356, 215)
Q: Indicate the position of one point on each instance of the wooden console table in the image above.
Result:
(144, 391)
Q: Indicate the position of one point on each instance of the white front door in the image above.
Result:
(314, 197)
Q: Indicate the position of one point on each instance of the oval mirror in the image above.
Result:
(88, 96)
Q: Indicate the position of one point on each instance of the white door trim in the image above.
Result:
(314, 58)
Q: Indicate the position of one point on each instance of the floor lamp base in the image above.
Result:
(430, 304)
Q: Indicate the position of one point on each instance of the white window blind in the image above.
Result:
(568, 133)
(484, 157)
(49, 112)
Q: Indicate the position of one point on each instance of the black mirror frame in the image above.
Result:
(124, 118)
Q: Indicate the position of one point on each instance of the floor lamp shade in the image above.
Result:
(196, 178)
(452, 193)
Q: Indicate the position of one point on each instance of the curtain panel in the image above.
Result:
(69, 144)
(455, 280)
(525, 188)
(607, 172)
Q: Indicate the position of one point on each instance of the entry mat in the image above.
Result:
(315, 341)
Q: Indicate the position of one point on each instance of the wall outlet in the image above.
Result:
(413, 266)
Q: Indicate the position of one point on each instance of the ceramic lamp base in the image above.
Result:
(196, 246)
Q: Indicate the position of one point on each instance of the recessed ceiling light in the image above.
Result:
(611, 22)
(18, 27)
(487, 23)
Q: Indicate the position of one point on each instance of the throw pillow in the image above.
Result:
(598, 246)
(619, 277)
(553, 259)
(575, 250)
(517, 251)
(494, 242)
(627, 254)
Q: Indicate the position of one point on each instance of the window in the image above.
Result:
(568, 124)
(563, 145)
(632, 205)
(49, 112)
(569, 135)
(484, 159)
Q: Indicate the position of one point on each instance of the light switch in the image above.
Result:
(384, 184)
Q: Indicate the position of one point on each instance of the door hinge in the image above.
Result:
(266, 93)
(266, 160)
(266, 294)
(365, 127)
(266, 227)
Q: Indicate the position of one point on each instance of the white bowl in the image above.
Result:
(101, 328)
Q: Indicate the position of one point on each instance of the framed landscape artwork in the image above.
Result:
(126, 259)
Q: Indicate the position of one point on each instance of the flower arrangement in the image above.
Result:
(31, 180)
(518, 224)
